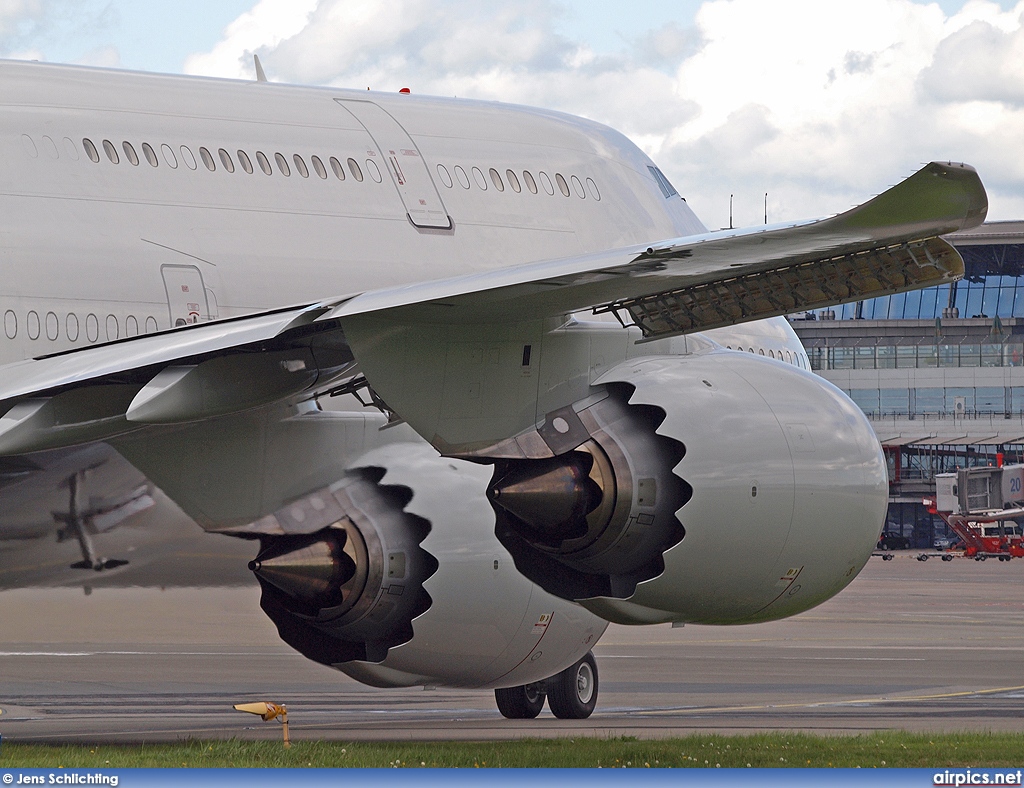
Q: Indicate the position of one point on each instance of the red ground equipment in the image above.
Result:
(983, 506)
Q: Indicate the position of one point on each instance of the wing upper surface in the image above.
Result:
(886, 245)
(887, 235)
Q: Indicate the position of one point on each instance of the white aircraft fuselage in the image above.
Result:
(110, 246)
(671, 480)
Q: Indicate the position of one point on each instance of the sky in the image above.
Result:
(817, 103)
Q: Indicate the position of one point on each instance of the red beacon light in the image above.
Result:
(405, 90)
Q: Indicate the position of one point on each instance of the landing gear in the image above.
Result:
(78, 523)
(520, 703)
(571, 694)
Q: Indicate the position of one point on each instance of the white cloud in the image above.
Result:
(256, 31)
(818, 104)
(16, 16)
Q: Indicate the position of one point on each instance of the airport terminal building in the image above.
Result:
(939, 372)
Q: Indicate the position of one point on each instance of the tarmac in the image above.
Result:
(919, 646)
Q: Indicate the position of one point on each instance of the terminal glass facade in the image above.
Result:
(993, 285)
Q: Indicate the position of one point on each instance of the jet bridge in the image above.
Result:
(984, 507)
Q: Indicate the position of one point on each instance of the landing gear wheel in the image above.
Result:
(572, 694)
(520, 703)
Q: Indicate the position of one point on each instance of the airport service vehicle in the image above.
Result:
(892, 541)
(471, 378)
(982, 507)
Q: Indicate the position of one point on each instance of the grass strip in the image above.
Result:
(884, 749)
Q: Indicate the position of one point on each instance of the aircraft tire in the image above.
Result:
(572, 694)
(520, 703)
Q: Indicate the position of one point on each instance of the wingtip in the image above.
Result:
(973, 189)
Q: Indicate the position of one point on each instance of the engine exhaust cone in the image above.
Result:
(547, 494)
(310, 572)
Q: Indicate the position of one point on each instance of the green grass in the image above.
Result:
(887, 749)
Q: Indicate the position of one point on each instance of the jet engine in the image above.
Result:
(714, 488)
(392, 575)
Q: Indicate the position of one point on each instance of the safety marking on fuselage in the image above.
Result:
(542, 624)
(825, 703)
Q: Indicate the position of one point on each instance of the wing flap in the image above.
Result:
(793, 288)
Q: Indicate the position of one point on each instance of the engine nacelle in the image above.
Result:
(394, 577)
(730, 488)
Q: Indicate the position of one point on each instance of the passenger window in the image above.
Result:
(261, 158)
(69, 146)
(513, 181)
(760, 350)
(130, 153)
(151, 326)
(461, 175)
(90, 150)
(112, 328)
(373, 170)
(52, 326)
(300, 166)
(531, 184)
(225, 159)
(577, 187)
(563, 187)
(50, 147)
(545, 181)
(188, 157)
(496, 179)
(71, 326)
(169, 156)
(478, 176)
(243, 159)
(207, 158)
(337, 169)
(92, 327)
(445, 176)
(353, 167)
(318, 165)
(111, 151)
(592, 188)
(282, 164)
(150, 154)
(131, 326)
(33, 325)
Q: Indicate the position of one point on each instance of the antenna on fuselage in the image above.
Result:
(730, 211)
(261, 75)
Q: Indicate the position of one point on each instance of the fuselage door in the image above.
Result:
(186, 294)
(408, 170)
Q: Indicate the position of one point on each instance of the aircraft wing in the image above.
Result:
(887, 245)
